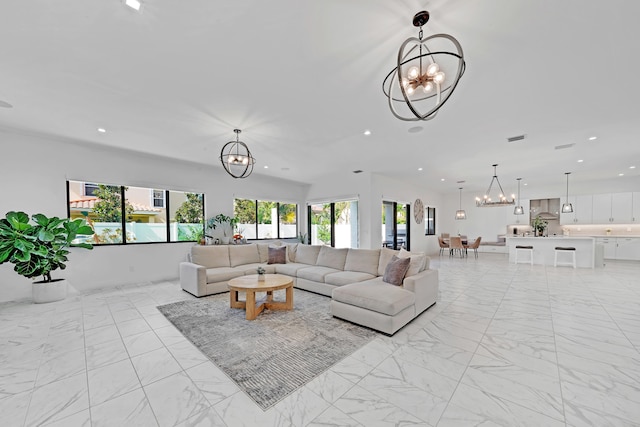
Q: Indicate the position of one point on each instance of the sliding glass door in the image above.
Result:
(334, 224)
(395, 225)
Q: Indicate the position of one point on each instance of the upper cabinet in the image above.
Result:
(513, 219)
(615, 208)
(583, 210)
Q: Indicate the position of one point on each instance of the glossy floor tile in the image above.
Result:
(504, 345)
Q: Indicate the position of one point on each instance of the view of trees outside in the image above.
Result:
(345, 224)
(269, 216)
(187, 223)
(108, 209)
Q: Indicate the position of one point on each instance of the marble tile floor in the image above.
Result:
(504, 345)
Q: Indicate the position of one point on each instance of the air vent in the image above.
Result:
(517, 138)
(562, 147)
(357, 171)
(460, 182)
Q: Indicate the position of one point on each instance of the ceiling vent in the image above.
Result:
(562, 147)
(357, 171)
(460, 182)
(517, 138)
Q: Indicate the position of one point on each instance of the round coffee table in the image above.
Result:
(250, 285)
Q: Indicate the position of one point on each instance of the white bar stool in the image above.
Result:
(526, 249)
(567, 250)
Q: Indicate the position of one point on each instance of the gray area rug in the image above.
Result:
(277, 353)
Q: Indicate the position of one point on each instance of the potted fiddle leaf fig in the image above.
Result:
(37, 248)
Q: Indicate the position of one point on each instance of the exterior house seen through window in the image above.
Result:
(125, 215)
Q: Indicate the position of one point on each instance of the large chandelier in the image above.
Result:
(501, 200)
(236, 158)
(426, 74)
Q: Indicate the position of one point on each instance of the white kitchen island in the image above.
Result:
(544, 249)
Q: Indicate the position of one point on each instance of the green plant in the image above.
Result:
(109, 206)
(539, 224)
(302, 237)
(190, 211)
(40, 248)
(222, 219)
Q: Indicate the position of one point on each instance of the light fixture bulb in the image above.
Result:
(245, 160)
(427, 87)
(432, 69)
(133, 4)
(413, 72)
(439, 77)
(405, 83)
(410, 90)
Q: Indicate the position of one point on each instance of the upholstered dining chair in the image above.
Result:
(474, 246)
(443, 245)
(444, 235)
(455, 244)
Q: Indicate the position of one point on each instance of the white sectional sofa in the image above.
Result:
(352, 277)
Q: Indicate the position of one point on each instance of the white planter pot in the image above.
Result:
(225, 240)
(49, 292)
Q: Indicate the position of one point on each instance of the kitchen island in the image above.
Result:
(544, 249)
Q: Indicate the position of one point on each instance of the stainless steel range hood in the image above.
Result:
(548, 209)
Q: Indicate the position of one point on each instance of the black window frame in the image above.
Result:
(257, 202)
(124, 218)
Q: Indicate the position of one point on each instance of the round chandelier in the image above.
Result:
(427, 72)
(236, 158)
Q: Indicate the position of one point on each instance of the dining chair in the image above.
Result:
(455, 244)
(443, 245)
(444, 235)
(474, 246)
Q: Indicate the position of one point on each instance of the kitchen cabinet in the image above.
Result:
(609, 244)
(628, 248)
(582, 210)
(613, 208)
(519, 219)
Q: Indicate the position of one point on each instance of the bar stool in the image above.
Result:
(567, 250)
(527, 249)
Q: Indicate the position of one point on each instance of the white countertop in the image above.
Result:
(553, 237)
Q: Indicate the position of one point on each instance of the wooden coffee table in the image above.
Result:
(250, 285)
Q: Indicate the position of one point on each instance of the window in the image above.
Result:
(123, 215)
(158, 198)
(395, 227)
(431, 222)
(262, 219)
(334, 224)
(90, 188)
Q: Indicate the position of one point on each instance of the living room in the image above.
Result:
(505, 343)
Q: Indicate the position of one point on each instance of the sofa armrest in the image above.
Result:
(425, 286)
(193, 278)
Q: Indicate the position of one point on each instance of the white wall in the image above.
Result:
(33, 173)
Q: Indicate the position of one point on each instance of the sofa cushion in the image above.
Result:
(291, 251)
(289, 269)
(396, 270)
(307, 254)
(375, 295)
(363, 260)
(243, 254)
(253, 268)
(210, 256)
(417, 263)
(346, 277)
(263, 251)
(385, 257)
(222, 274)
(332, 257)
(277, 255)
(316, 274)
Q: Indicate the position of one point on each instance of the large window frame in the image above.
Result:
(279, 229)
(125, 220)
(354, 222)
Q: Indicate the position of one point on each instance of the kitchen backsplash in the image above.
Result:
(602, 230)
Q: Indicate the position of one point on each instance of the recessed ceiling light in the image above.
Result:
(419, 169)
(592, 138)
(102, 130)
(266, 167)
(442, 179)
(5, 104)
(580, 161)
(632, 167)
(133, 4)
(620, 174)
(367, 132)
(525, 184)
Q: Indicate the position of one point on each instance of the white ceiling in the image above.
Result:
(303, 81)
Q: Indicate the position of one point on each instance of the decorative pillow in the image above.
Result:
(396, 270)
(385, 257)
(277, 255)
(418, 261)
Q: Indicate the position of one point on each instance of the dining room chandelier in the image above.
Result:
(567, 207)
(501, 200)
(460, 213)
(236, 158)
(427, 72)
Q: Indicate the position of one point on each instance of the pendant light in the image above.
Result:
(518, 210)
(460, 213)
(567, 207)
